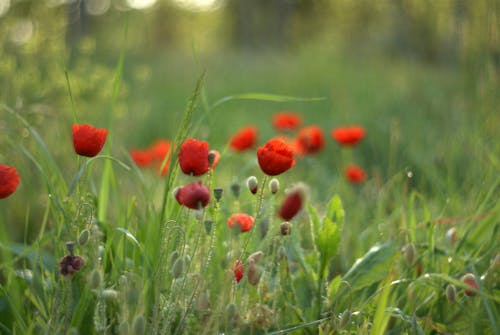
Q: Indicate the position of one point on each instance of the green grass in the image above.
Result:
(154, 267)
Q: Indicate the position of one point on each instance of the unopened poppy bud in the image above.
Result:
(253, 273)
(345, 318)
(470, 280)
(255, 256)
(178, 268)
(173, 256)
(252, 184)
(235, 189)
(95, 280)
(451, 292)
(123, 328)
(110, 295)
(238, 270)
(274, 186)
(410, 253)
(451, 236)
(139, 325)
(218, 193)
(83, 237)
(286, 228)
(231, 311)
(281, 253)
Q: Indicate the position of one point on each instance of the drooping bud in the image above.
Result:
(178, 268)
(274, 186)
(286, 228)
(410, 253)
(252, 184)
(95, 280)
(139, 325)
(451, 236)
(253, 273)
(470, 280)
(255, 256)
(83, 237)
(451, 292)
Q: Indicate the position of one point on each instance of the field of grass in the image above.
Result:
(384, 256)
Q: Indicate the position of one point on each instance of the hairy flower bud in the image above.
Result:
(470, 280)
(451, 292)
(252, 184)
(83, 237)
(274, 186)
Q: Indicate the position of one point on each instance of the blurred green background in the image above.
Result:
(421, 76)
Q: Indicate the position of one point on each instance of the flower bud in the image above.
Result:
(95, 280)
(178, 268)
(139, 325)
(83, 237)
(110, 295)
(451, 236)
(345, 318)
(203, 302)
(410, 253)
(451, 292)
(238, 270)
(255, 256)
(281, 253)
(274, 186)
(470, 280)
(253, 273)
(286, 228)
(252, 184)
(173, 256)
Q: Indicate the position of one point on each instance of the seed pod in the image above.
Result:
(451, 292)
(470, 280)
(274, 186)
(218, 193)
(83, 237)
(139, 325)
(252, 184)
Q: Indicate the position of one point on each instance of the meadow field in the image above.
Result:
(159, 175)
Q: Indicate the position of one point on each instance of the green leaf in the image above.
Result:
(335, 210)
(372, 267)
(130, 236)
(333, 287)
(262, 97)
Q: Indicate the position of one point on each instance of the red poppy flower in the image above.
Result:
(348, 136)
(243, 220)
(244, 138)
(355, 174)
(194, 195)
(310, 140)
(193, 157)
(141, 158)
(9, 180)
(275, 157)
(159, 149)
(286, 120)
(87, 140)
(238, 270)
(293, 202)
(70, 264)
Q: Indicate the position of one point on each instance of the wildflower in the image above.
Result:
(470, 280)
(70, 264)
(310, 140)
(238, 270)
(286, 120)
(243, 220)
(293, 202)
(213, 158)
(193, 157)
(194, 195)
(244, 138)
(355, 174)
(141, 158)
(252, 184)
(275, 157)
(87, 140)
(159, 149)
(9, 180)
(348, 136)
